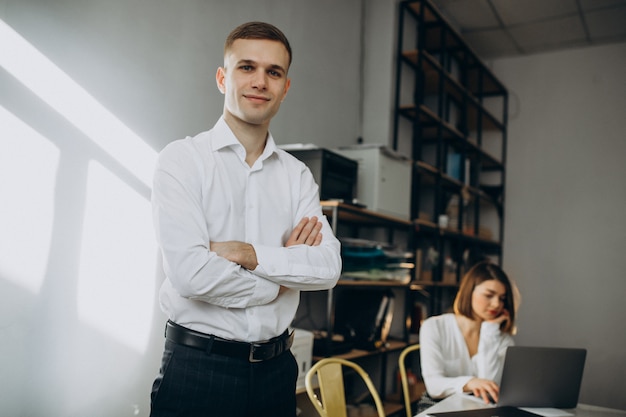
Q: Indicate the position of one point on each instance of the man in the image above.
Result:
(241, 231)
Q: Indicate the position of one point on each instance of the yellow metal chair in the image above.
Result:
(329, 372)
(403, 377)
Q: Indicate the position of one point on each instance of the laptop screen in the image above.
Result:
(541, 377)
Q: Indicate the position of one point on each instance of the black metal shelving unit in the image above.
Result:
(450, 115)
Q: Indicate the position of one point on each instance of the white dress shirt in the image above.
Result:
(444, 357)
(205, 191)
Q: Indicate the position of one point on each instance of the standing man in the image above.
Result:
(241, 230)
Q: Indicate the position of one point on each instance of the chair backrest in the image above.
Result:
(404, 379)
(332, 400)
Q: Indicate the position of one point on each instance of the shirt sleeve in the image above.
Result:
(182, 234)
(440, 363)
(492, 347)
(303, 267)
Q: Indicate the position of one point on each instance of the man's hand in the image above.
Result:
(238, 252)
(483, 388)
(307, 232)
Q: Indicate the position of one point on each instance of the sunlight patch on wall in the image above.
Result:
(28, 169)
(64, 95)
(116, 283)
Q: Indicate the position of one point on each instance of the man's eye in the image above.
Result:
(274, 73)
(246, 67)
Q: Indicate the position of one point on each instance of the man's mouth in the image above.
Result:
(256, 98)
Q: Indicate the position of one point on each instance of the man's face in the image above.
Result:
(254, 80)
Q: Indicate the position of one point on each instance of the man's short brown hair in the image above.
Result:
(257, 30)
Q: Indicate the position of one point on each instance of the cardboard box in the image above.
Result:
(384, 179)
(302, 349)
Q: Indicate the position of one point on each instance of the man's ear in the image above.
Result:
(287, 86)
(220, 79)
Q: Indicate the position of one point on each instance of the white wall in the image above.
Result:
(89, 92)
(379, 55)
(565, 231)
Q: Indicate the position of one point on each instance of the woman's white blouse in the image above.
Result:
(445, 360)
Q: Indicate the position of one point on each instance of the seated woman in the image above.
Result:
(464, 351)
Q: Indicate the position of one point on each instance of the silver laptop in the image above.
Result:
(534, 377)
(541, 377)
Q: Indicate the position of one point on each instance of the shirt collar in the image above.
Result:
(224, 137)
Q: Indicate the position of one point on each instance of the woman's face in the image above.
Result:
(488, 299)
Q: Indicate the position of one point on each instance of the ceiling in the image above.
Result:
(500, 28)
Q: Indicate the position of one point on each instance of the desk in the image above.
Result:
(464, 402)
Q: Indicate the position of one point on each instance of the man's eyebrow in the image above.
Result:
(246, 62)
(275, 67)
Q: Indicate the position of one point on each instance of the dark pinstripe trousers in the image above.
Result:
(192, 383)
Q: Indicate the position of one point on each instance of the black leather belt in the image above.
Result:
(252, 352)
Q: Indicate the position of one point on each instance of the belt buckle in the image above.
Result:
(257, 348)
(270, 350)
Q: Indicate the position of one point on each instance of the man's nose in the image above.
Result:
(260, 80)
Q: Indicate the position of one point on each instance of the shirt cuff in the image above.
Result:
(461, 381)
(271, 261)
(490, 329)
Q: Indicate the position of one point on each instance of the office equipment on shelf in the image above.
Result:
(368, 260)
(330, 382)
(335, 174)
(384, 179)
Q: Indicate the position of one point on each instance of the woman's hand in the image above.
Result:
(503, 317)
(483, 388)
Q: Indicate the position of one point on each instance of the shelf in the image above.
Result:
(433, 128)
(480, 80)
(353, 214)
(437, 284)
(350, 213)
(430, 123)
(372, 283)
(392, 346)
(449, 109)
(429, 176)
(436, 77)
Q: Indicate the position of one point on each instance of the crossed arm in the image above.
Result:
(307, 232)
